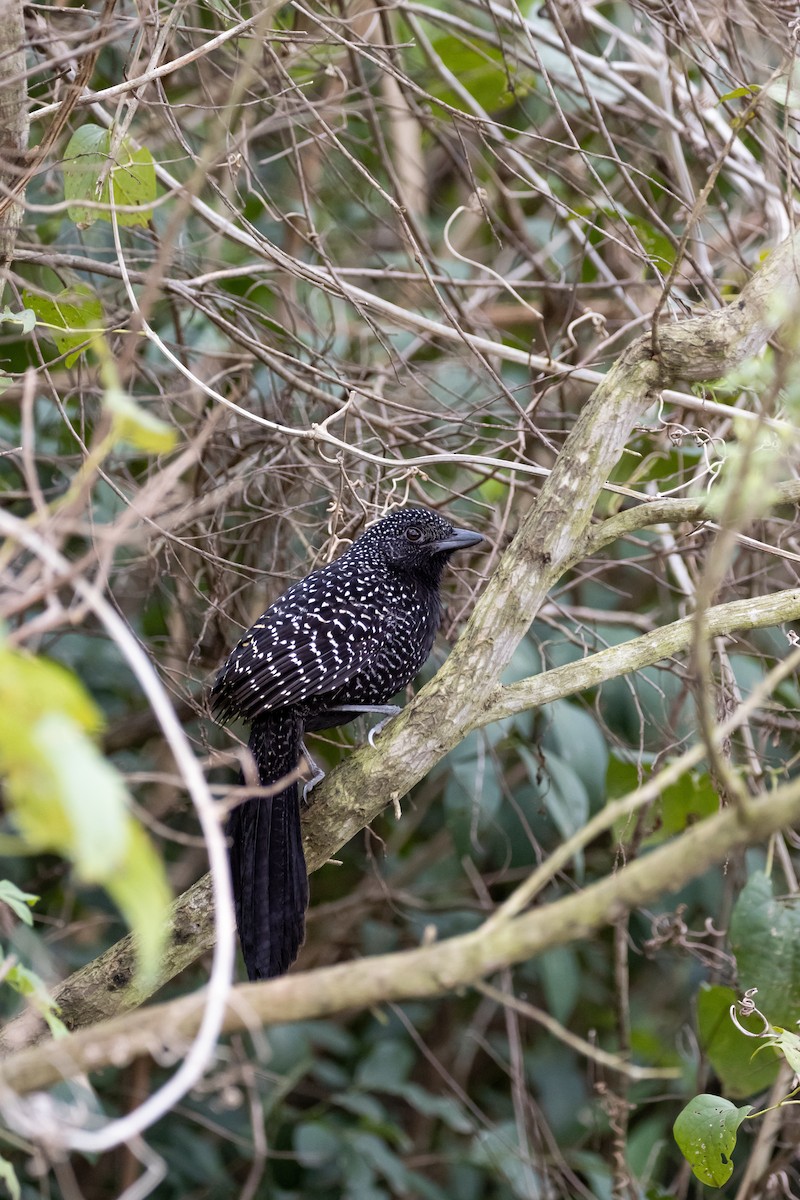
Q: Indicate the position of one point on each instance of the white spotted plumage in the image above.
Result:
(356, 631)
(346, 637)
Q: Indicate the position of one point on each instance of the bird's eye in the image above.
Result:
(413, 533)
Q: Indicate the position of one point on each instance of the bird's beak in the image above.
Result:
(460, 539)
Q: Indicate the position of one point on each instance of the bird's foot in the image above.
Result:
(376, 729)
(352, 711)
(317, 773)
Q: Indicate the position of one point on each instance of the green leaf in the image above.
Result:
(765, 938)
(655, 242)
(749, 89)
(18, 901)
(788, 1044)
(316, 1143)
(67, 797)
(389, 1063)
(30, 985)
(136, 426)
(786, 89)
(26, 318)
(578, 742)
(563, 794)
(443, 1108)
(132, 177)
(383, 1160)
(8, 1177)
(658, 246)
(684, 803)
(140, 891)
(31, 686)
(73, 318)
(84, 159)
(706, 1132)
(561, 979)
(496, 1149)
(730, 1052)
(64, 797)
(362, 1105)
(484, 72)
(472, 795)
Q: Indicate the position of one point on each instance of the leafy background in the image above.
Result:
(380, 221)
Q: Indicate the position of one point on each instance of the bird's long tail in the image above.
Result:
(268, 867)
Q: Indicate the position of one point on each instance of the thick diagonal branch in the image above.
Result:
(466, 688)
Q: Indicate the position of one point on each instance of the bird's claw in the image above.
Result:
(376, 729)
(316, 778)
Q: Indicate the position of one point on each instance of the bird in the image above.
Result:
(343, 640)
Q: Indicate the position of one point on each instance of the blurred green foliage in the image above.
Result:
(572, 157)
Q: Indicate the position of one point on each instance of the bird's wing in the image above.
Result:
(284, 659)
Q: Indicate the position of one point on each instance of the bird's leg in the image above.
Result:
(389, 711)
(348, 712)
(317, 776)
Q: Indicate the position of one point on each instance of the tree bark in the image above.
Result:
(466, 692)
(164, 1030)
(13, 127)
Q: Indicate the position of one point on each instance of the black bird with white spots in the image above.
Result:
(343, 640)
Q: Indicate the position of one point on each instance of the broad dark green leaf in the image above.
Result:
(683, 804)
(731, 1053)
(574, 734)
(316, 1142)
(563, 794)
(765, 938)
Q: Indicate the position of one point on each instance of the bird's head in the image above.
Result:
(415, 540)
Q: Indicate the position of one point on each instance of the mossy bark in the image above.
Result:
(466, 693)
